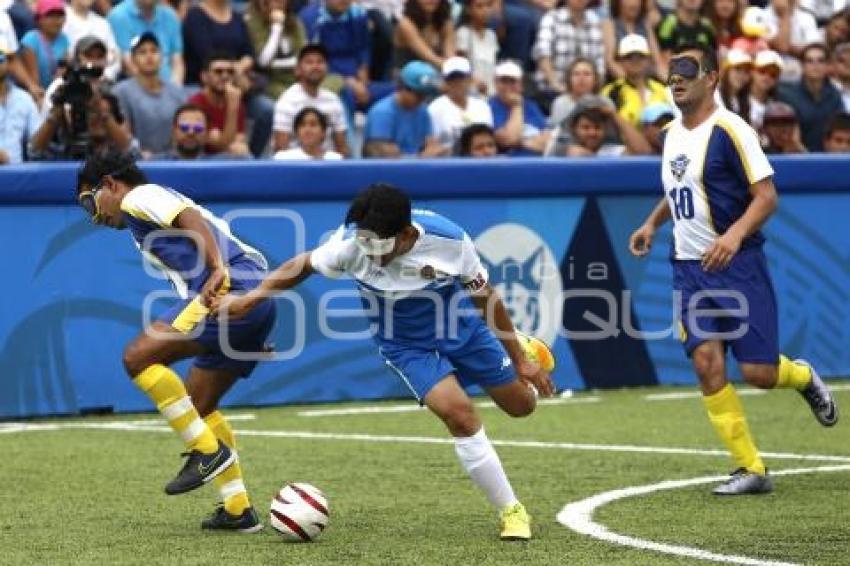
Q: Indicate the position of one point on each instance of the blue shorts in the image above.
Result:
(747, 321)
(245, 335)
(479, 359)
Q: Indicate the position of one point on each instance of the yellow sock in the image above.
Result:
(229, 482)
(727, 416)
(790, 375)
(164, 388)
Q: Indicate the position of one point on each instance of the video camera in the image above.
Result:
(76, 91)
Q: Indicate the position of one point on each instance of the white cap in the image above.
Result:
(456, 66)
(735, 57)
(767, 58)
(509, 70)
(632, 43)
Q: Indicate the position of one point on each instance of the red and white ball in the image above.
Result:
(299, 512)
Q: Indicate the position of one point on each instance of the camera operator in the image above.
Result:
(82, 117)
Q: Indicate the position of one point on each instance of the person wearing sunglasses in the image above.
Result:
(188, 135)
(201, 257)
(419, 273)
(719, 191)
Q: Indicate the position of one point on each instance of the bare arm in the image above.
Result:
(221, 139)
(413, 40)
(636, 143)
(178, 69)
(218, 279)
(281, 140)
(41, 138)
(341, 143)
(510, 135)
(381, 149)
(609, 41)
(641, 241)
(30, 65)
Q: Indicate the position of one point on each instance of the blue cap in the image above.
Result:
(420, 77)
(654, 112)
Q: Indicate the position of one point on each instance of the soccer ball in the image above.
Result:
(536, 351)
(299, 512)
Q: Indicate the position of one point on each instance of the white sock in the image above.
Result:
(481, 462)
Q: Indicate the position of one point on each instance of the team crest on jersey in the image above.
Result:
(679, 165)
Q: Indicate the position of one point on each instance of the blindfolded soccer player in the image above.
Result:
(719, 191)
(425, 291)
(202, 258)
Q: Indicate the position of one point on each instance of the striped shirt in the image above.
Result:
(562, 40)
(295, 98)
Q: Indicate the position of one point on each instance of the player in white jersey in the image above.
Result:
(718, 189)
(425, 291)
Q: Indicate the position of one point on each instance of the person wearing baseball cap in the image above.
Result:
(456, 109)
(653, 120)
(781, 130)
(520, 125)
(636, 89)
(43, 49)
(82, 21)
(735, 81)
(399, 125)
(767, 68)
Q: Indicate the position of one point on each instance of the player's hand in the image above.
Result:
(217, 279)
(641, 241)
(721, 252)
(529, 372)
(234, 306)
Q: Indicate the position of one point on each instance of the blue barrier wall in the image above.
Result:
(72, 293)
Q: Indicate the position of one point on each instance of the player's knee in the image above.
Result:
(522, 406)
(135, 360)
(708, 365)
(461, 419)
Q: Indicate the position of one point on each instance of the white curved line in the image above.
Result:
(578, 516)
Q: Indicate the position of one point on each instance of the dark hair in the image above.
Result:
(414, 11)
(575, 63)
(731, 99)
(306, 111)
(811, 46)
(120, 165)
(382, 208)
(187, 107)
(593, 114)
(708, 55)
(615, 9)
(468, 134)
(313, 48)
(840, 121)
(218, 55)
(733, 27)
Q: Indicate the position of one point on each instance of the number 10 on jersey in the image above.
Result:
(683, 202)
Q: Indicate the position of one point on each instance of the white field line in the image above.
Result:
(158, 420)
(308, 435)
(412, 408)
(678, 395)
(578, 517)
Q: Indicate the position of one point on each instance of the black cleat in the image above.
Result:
(200, 468)
(819, 398)
(221, 520)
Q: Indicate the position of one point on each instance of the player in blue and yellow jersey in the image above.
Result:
(435, 321)
(202, 258)
(719, 191)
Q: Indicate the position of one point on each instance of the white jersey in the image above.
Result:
(707, 173)
(418, 287)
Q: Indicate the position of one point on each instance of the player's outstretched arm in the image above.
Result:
(493, 310)
(641, 240)
(288, 275)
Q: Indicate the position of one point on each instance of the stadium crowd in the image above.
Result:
(336, 79)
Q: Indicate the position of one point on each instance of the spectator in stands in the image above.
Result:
(589, 124)
(519, 123)
(685, 26)
(82, 21)
(582, 80)
(794, 30)
(478, 140)
(735, 79)
(628, 17)
(781, 130)
(147, 101)
(399, 125)
(382, 17)
(188, 135)
(18, 114)
(105, 130)
(837, 138)
(725, 18)
(16, 69)
(841, 72)
(90, 54)
(311, 129)
(565, 33)
(278, 35)
(653, 120)
(45, 49)
(814, 98)
(767, 68)
(221, 101)
(131, 18)
(311, 69)
(457, 109)
(837, 29)
(214, 25)
(425, 33)
(636, 89)
(478, 43)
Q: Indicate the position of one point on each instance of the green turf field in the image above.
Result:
(78, 492)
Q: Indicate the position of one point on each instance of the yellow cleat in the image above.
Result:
(516, 523)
